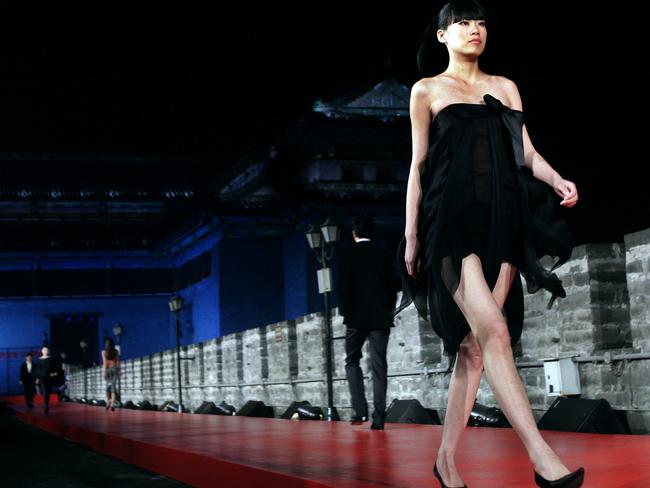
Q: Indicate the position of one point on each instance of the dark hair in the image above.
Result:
(451, 12)
(363, 226)
(458, 10)
(111, 351)
(29, 354)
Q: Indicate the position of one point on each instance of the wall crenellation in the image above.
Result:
(606, 311)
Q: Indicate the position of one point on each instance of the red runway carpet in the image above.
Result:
(207, 450)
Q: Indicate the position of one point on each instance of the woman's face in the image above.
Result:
(465, 37)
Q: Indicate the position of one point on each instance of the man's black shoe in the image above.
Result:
(355, 420)
(378, 421)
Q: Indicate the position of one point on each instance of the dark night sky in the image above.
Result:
(207, 82)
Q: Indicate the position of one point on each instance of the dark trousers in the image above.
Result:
(378, 340)
(46, 389)
(30, 391)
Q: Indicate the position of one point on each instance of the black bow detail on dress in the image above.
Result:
(513, 121)
(494, 103)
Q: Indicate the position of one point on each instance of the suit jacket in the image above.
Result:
(367, 286)
(25, 376)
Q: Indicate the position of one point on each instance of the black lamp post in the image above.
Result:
(322, 242)
(118, 330)
(175, 305)
(84, 345)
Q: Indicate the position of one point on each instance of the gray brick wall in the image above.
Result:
(638, 286)
(606, 312)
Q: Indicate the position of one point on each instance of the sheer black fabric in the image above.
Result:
(478, 197)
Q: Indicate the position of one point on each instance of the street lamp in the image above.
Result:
(330, 231)
(321, 241)
(175, 305)
(118, 330)
(83, 344)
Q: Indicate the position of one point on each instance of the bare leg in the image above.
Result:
(486, 321)
(463, 387)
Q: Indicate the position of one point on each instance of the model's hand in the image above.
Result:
(567, 190)
(411, 256)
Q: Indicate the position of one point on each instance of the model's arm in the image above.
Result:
(536, 163)
(420, 113)
(104, 359)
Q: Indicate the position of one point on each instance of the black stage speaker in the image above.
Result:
(171, 406)
(434, 415)
(255, 408)
(225, 409)
(293, 408)
(145, 405)
(410, 412)
(210, 408)
(168, 406)
(308, 412)
(207, 408)
(581, 415)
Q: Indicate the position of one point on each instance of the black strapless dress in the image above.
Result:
(478, 197)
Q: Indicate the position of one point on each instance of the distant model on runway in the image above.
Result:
(111, 367)
(479, 207)
(47, 376)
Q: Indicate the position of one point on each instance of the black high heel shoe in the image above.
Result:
(571, 480)
(437, 475)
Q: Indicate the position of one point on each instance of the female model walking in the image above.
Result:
(111, 366)
(479, 208)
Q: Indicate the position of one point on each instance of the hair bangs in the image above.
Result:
(458, 10)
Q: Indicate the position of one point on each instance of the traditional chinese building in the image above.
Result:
(107, 240)
(350, 155)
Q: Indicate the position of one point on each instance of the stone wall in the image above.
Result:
(604, 322)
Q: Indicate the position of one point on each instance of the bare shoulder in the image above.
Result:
(422, 94)
(429, 92)
(507, 91)
(422, 89)
(505, 83)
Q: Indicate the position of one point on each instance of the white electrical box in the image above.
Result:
(561, 376)
(324, 280)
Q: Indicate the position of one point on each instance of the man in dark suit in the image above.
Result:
(47, 373)
(28, 379)
(367, 291)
